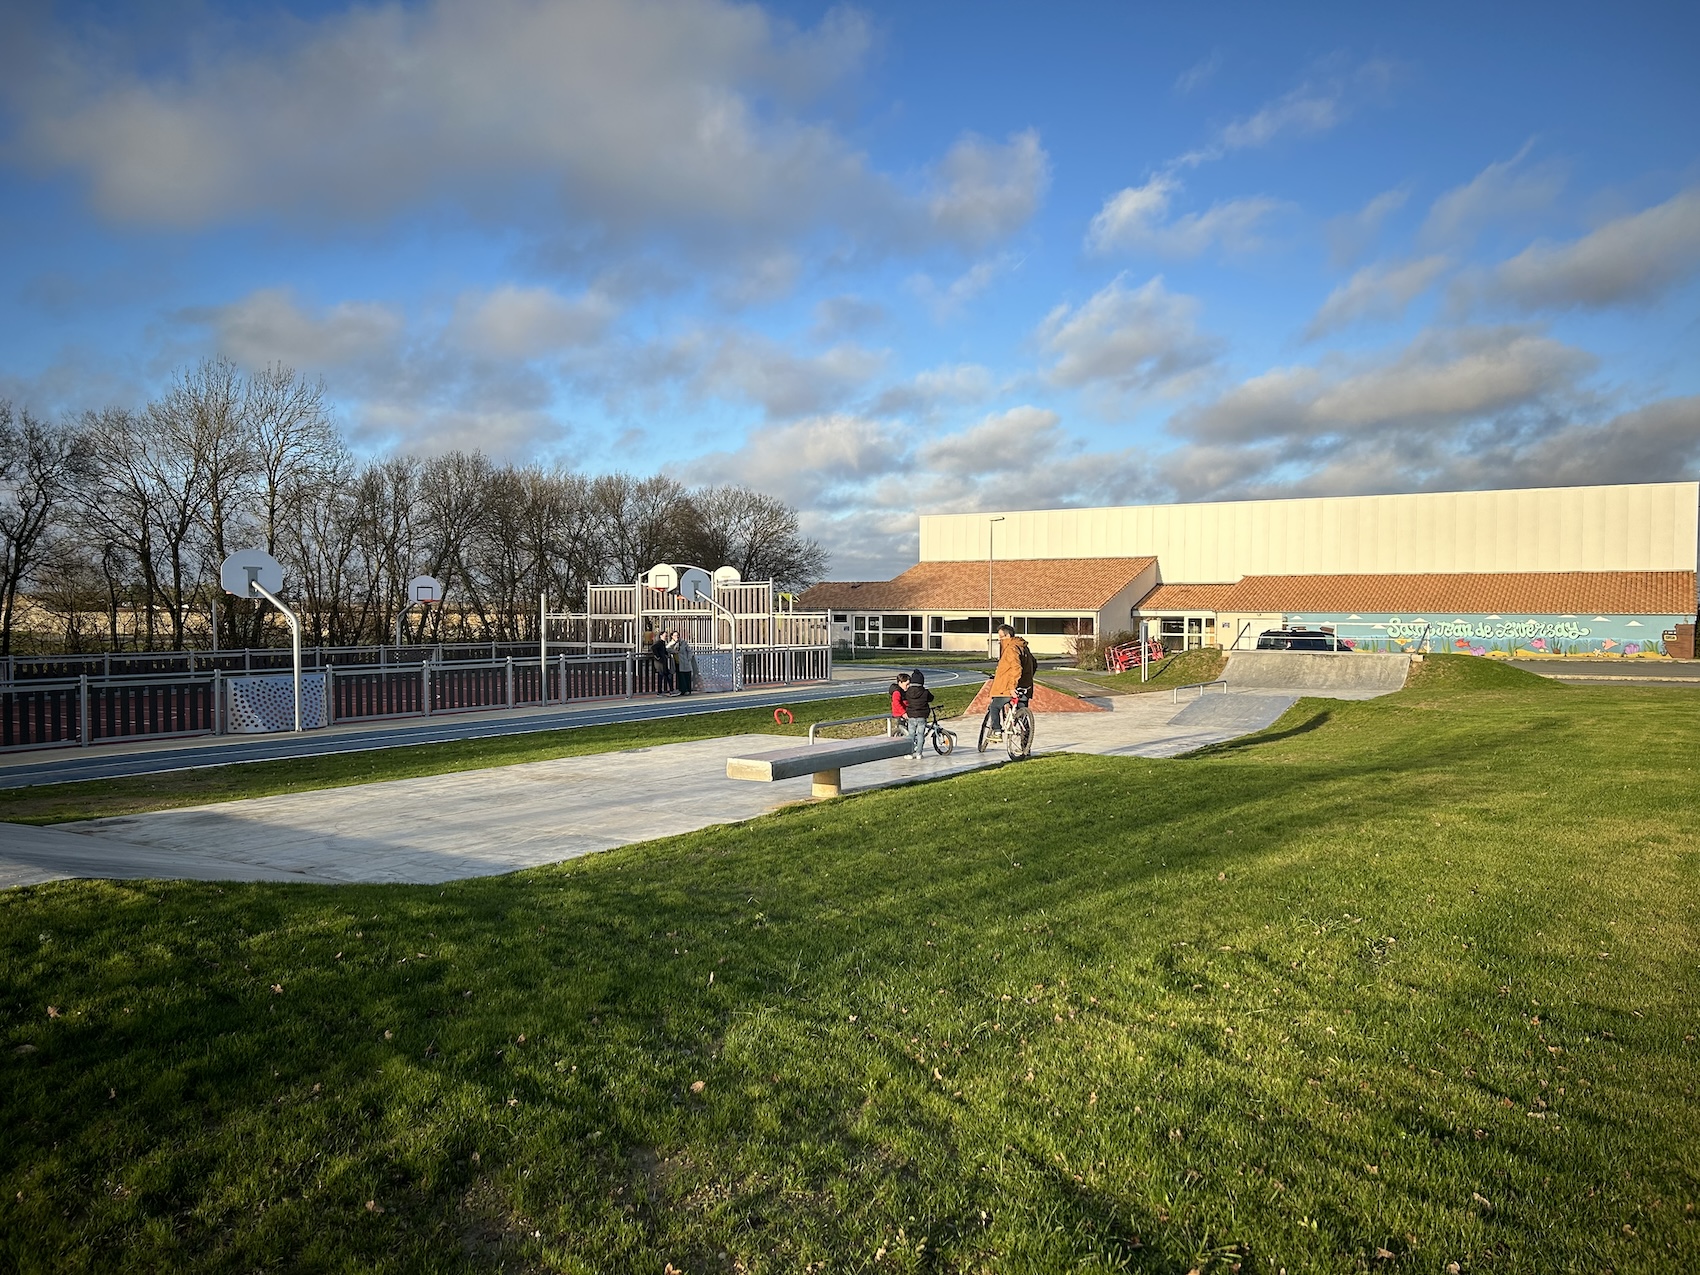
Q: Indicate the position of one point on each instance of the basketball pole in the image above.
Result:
(255, 586)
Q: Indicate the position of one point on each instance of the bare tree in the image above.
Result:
(40, 465)
(757, 534)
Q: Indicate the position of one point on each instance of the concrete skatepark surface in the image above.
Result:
(1342, 675)
(478, 823)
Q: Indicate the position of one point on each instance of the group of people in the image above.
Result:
(675, 663)
(912, 702)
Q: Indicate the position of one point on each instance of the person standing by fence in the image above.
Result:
(663, 664)
(687, 664)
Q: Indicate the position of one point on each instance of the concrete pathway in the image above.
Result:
(478, 823)
(157, 756)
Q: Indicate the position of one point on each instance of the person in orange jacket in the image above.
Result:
(1016, 667)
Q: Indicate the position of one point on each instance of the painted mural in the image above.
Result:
(1504, 636)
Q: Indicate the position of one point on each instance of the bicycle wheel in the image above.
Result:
(943, 742)
(985, 732)
(1018, 739)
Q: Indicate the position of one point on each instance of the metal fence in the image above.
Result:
(44, 712)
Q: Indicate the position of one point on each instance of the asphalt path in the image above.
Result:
(63, 766)
(1653, 672)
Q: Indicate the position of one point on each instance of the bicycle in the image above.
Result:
(943, 741)
(1015, 726)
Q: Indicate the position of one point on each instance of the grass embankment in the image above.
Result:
(1398, 984)
(96, 798)
(1184, 668)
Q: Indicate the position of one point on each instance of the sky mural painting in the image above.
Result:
(881, 258)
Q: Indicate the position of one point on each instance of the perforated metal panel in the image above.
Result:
(261, 704)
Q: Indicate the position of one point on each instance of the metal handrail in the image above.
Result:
(851, 721)
(1200, 687)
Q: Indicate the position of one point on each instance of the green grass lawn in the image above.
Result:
(92, 799)
(1396, 985)
(1184, 668)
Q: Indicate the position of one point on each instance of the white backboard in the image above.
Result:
(424, 589)
(727, 575)
(248, 564)
(662, 576)
(694, 580)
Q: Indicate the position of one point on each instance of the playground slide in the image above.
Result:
(1344, 675)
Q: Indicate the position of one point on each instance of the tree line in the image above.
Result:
(113, 525)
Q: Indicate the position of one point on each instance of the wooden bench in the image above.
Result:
(823, 761)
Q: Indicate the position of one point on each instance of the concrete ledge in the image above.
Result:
(790, 763)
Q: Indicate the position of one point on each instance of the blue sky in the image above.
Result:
(884, 258)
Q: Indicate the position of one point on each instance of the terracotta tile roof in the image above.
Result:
(1472, 593)
(1186, 597)
(1032, 584)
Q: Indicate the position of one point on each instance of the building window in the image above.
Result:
(839, 617)
(973, 624)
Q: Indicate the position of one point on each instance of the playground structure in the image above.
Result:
(744, 632)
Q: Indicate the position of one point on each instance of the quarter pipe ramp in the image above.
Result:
(1330, 674)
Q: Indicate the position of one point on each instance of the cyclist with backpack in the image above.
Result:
(1015, 672)
(918, 707)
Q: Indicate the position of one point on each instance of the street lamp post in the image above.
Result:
(991, 533)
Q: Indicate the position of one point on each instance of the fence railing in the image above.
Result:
(41, 712)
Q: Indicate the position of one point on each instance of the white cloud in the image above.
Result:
(269, 326)
(1136, 220)
(1126, 342)
(1377, 292)
(947, 301)
(824, 462)
(1316, 106)
(686, 118)
(1199, 74)
(523, 323)
(743, 366)
(1506, 190)
(985, 192)
(1350, 235)
(1631, 259)
(1438, 380)
(1006, 441)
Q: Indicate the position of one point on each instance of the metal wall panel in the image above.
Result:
(1641, 527)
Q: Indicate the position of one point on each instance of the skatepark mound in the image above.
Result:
(1045, 700)
(1329, 674)
(1474, 673)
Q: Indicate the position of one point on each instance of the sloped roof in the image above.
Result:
(1031, 584)
(1186, 597)
(1472, 593)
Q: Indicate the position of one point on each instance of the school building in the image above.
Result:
(1606, 570)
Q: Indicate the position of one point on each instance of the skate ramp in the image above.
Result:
(1330, 674)
(1233, 715)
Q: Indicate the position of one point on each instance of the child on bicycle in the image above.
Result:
(917, 707)
(896, 690)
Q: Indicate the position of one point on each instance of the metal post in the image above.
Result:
(631, 674)
(510, 678)
(991, 622)
(330, 698)
(83, 710)
(565, 696)
(215, 624)
(425, 686)
(294, 639)
(218, 702)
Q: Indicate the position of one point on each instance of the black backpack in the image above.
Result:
(1029, 666)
